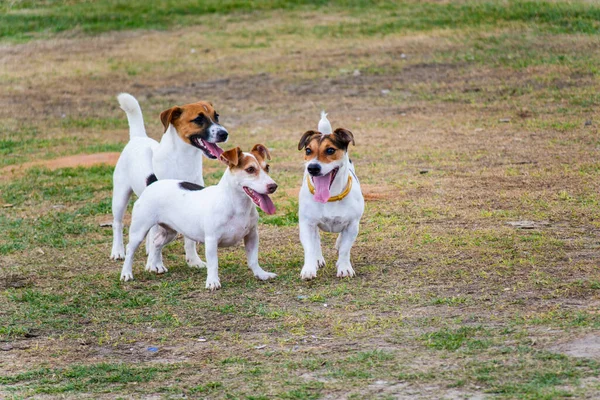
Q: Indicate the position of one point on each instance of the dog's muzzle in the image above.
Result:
(314, 169)
(222, 135)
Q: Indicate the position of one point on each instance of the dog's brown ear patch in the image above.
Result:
(306, 138)
(232, 157)
(344, 136)
(262, 151)
(170, 115)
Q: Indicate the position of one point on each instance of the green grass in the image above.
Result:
(24, 20)
(450, 300)
(93, 378)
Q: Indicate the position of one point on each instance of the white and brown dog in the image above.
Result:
(330, 198)
(218, 216)
(191, 132)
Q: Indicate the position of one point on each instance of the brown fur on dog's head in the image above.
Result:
(326, 148)
(237, 160)
(190, 119)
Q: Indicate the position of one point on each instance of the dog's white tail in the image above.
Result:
(324, 124)
(132, 108)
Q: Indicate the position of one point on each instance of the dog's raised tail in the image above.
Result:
(132, 108)
(324, 124)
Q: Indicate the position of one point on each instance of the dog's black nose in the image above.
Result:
(222, 135)
(314, 169)
(271, 188)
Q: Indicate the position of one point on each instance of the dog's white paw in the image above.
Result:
(308, 273)
(156, 268)
(264, 275)
(195, 262)
(345, 270)
(320, 262)
(213, 284)
(126, 276)
(117, 254)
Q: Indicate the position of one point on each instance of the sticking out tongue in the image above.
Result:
(214, 149)
(265, 203)
(322, 183)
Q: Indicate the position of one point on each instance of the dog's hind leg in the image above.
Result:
(158, 237)
(345, 242)
(121, 194)
(191, 255)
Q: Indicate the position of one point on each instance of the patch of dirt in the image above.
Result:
(79, 160)
(583, 347)
(15, 281)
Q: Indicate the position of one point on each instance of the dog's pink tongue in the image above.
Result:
(321, 188)
(265, 203)
(214, 149)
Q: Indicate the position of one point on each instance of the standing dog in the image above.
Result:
(218, 216)
(328, 170)
(188, 128)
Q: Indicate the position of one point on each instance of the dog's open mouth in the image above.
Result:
(262, 200)
(323, 185)
(210, 150)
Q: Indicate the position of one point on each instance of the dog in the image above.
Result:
(328, 169)
(191, 132)
(218, 216)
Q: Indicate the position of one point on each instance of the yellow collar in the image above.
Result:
(340, 196)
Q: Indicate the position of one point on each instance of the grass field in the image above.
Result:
(477, 145)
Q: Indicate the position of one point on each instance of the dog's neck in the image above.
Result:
(341, 179)
(234, 191)
(173, 142)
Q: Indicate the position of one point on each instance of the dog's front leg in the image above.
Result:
(251, 246)
(191, 256)
(344, 244)
(309, 236)
(211, 247)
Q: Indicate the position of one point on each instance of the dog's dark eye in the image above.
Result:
(250, 170)
(308, 151)
(200, 119)
(330, 151)
(216, 117)
(267, 168)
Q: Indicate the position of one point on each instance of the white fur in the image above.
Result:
(218, 216)
(324, 124)
(341, 216)
(172, 158)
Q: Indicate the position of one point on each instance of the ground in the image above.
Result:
(477, 148)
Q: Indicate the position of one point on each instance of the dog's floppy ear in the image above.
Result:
(344, 136)
(231, 157)
(305, 139)
(170, 115)
(262, 150)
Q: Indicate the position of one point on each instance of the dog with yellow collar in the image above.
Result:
(330, 197)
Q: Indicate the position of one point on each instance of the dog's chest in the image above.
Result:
(333, 223)
(235, 229)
